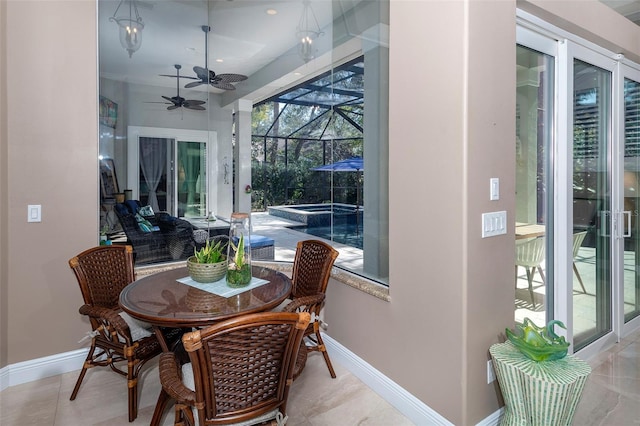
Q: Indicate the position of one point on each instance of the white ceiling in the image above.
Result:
(628, 8)
(243, 35)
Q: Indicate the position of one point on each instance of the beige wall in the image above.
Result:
(450, 132)
(452, 99)
(52, 160)
(4, 241)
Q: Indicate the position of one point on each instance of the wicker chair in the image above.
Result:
(240, 371)
(311, 271)
(102, 272)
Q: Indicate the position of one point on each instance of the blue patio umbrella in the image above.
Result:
(353, 164)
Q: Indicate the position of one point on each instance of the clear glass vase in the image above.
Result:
(239, 250)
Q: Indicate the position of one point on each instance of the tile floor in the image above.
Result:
(315, 399)
(611, 397)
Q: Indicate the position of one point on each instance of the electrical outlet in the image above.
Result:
(491, 375)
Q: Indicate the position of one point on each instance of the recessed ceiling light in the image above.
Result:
(272, 12)
(220, 60)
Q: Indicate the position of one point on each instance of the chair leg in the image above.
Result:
(575, 269)
(322, 348)
(132, 382)
(530, 273)
(163, 398)
(133, 398)
(87, 364)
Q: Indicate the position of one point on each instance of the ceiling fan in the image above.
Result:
(178, 101)
(207, 76)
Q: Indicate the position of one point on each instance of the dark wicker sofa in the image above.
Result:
(170, 239)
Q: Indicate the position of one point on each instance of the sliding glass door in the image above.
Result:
(534, 275)
(630, 226)
(592, 204)
(170, 169)
(578, 185)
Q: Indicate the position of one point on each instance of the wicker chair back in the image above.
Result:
(242, 369)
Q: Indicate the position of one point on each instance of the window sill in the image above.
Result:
(352, 280)
(340, 275)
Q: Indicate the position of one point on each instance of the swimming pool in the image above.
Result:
(349, 234)
(336, 222)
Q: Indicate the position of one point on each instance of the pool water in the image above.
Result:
(341, 223)
(344, 233)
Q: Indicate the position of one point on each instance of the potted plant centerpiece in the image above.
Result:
(239, 270)
(208, 264)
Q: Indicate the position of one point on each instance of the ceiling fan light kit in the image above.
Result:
(307, 31)
(129, 27)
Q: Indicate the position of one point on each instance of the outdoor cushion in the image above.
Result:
(258, 241)
(138, 329)
(133, 206)
(146, 211)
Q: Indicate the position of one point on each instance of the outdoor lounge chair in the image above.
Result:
(167, 238)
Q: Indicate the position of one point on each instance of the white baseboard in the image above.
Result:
(410, 406)
(39, 368)
(493, 419)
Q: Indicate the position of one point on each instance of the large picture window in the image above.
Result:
(282, 114)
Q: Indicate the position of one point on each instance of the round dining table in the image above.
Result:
(162, 301)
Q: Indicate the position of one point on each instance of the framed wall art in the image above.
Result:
(108, 112)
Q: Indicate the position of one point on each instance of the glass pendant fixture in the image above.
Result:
(307, 31)
(129, 27)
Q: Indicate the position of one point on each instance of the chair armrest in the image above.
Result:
(305, 304)
(109, 318)
(171, 381)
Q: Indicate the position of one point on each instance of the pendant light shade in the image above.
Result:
(130, 26)
(307, 32)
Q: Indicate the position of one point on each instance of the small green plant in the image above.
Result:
(210, 253)
(239, 272)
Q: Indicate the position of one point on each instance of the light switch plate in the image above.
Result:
(34, 213)
(494, 191)
(494, 223)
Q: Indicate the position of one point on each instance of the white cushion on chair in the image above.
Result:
(139, 329)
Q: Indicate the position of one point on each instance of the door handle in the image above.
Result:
(626, 231)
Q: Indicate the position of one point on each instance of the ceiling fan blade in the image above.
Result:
(194, 84)
(175, 76)
(173, 107)
(168, 98)
(230, 78)
(194, 102)
(224, 86)
(201, 73)
(195, 107)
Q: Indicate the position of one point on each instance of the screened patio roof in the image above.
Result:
(340, 90)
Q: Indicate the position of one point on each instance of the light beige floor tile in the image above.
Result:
(611, 397)
(31, 403)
